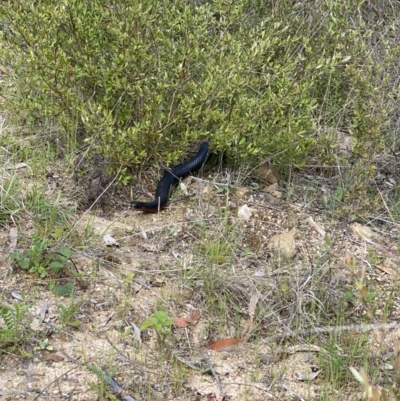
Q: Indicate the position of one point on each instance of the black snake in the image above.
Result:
(170, 179)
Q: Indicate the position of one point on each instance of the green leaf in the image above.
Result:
(25, 263)
(16, 256)
(66, 289)
(146, 324)
(43, 273)
(56, 265)
(65, 252)
(161, 316)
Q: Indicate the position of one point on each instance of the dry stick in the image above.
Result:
(14, 392)
(130, 361)
(115, 386)
(110, 381)
(54, 381)
(69, 259)
(335, 329)
(214, 373)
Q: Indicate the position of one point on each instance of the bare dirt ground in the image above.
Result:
(160, 264)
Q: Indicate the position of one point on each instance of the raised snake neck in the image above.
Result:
(170, 179)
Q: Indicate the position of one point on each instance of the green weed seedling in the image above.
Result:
(38, 260)
(67, 314)
(160, 322)
(16, 329)
(104, 379)
(44, 346)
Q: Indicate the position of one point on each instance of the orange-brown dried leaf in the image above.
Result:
(182, 322)
(48, 356)
(389, 271)
(225, 344)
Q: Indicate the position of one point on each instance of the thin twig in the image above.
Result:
(130, 361)
(334, 329)
(55, 381)
(214, 373)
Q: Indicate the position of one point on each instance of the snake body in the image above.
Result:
(170, 179)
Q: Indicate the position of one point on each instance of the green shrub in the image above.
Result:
(139, 81)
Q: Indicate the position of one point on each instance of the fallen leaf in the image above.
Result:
(17, 295)
(16, 166)
(137, 336)
(12, 239)
(225, 344)
(253, 304)
(389, 271)
(48, 356)
(182, 322)
(317, 227)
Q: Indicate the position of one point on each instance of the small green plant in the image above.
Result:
(44, 346)
(8, 205)
(104, 380)
(38, 260)
(49, 219)
(67, 314)
(220, 247)
(65, 289)
(160, 322)
(16, 329)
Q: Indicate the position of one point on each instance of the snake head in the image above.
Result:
(137, 205)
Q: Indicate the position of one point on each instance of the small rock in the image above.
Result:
(110, 241)
(272, 200)
(267, 173)
(244, 213)
(273, 190)
(265, 359)
(284, 244)
(364, 232)
(241, 192)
